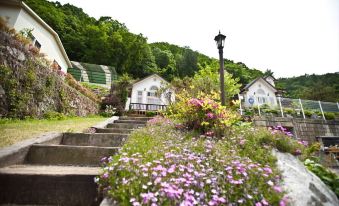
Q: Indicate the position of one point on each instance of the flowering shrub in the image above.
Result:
(203, 114)
(160, 165)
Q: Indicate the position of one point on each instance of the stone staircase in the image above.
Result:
(63, 174)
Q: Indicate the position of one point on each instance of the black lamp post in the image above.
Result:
(220, 40)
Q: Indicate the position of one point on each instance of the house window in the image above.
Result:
(56, 65)
(152, 96)
(37, 44)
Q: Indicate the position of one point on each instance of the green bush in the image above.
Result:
(289, 111)
(54, 115)
(329, 115)
(308, 113)
(329, 178)
(151, 113)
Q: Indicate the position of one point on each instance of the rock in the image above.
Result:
(21, 56)
(302, 186)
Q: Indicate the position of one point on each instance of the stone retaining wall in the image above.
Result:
(305, 129)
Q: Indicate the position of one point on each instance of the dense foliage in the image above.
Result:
(109, 42)
(314, 87)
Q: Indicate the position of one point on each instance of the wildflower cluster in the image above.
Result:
(284, 141)
(159, 120)
(170, 167)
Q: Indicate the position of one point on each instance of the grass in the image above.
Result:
(13, 131)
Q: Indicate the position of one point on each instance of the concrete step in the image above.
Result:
(125, 125)
(40, 154)
(114, 130)
(48, 185)
(96, 139)
(131, 121)
(135, 118)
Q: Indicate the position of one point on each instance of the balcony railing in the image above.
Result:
(146, 107)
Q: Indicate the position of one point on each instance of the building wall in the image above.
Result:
(269, 94)
(144, 87)
(305, 129)
(20, 19)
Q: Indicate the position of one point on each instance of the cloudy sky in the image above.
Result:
(290, 37)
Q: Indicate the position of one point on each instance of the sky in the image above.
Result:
(289, 37)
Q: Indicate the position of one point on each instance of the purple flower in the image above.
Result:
(147, 197)
(105, 175)
(267, 170)
(103, 160)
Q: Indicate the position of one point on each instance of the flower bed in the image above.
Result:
(160, 165)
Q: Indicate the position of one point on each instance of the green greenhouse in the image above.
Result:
(93, 73)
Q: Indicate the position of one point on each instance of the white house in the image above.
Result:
(144, 95)
(260, 91)
(20, 17)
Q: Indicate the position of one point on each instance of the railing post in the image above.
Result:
(146, 107)
(321, 109)
(281, 109)
(302, 109)
(259, 109)
(240, 104)
(338, 106)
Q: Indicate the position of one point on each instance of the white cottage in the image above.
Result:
(144, 95)
(20, 17)
(260, 91)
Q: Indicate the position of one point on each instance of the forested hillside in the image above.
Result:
(315, 87)
(107, 41)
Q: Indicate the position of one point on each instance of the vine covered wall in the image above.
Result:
(29, 87)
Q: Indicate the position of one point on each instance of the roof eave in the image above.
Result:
(56, 36)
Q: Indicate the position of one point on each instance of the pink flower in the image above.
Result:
(242, 142)
(297, 152)
(195, 102)
(264, 202)
(277, 189)
(210, 115)
(267, 170)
